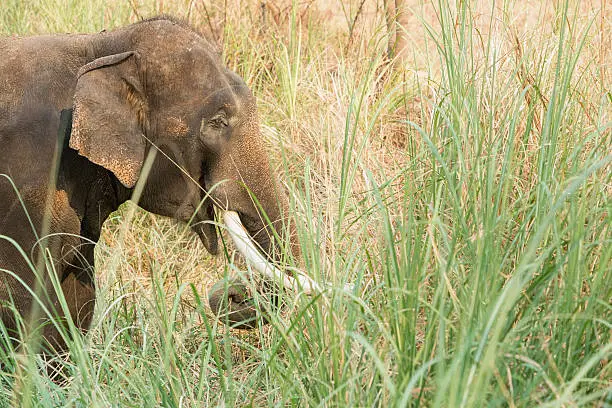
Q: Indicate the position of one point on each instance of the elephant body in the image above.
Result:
(79, 115)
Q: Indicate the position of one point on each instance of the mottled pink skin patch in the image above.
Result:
(177, 127)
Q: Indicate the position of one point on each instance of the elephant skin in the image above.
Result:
(79, 116)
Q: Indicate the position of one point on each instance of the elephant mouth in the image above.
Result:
(249, 240)
(205, 227)
(213, 199)
(248, 248)
(246, 245)
(204, 223)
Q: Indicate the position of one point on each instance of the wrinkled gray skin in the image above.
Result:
(152, 85)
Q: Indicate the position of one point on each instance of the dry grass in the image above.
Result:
(465, 190)
(524, 37)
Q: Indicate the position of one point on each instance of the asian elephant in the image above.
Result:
(80, 116)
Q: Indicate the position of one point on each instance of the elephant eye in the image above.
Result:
(219, 121)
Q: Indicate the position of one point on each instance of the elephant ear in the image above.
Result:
(109, 115)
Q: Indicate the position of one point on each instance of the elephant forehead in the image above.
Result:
(222, 96)
(176, 126)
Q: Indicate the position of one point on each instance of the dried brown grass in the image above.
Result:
(339, 47)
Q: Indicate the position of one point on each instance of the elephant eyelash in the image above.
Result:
(219, 121)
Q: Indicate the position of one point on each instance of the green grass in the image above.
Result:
(464, 192)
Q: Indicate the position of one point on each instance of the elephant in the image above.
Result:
(89, 121)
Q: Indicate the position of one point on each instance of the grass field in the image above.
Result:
(464, 191)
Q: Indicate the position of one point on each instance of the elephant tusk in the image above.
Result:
(246, 246)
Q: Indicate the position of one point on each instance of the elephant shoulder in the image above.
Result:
(28, 136)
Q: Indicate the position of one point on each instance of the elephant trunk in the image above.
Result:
(262, 228)
(245, 183)
(243, 186)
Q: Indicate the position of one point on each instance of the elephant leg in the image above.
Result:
(80, 296)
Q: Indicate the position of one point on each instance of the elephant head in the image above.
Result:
(163, 97)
